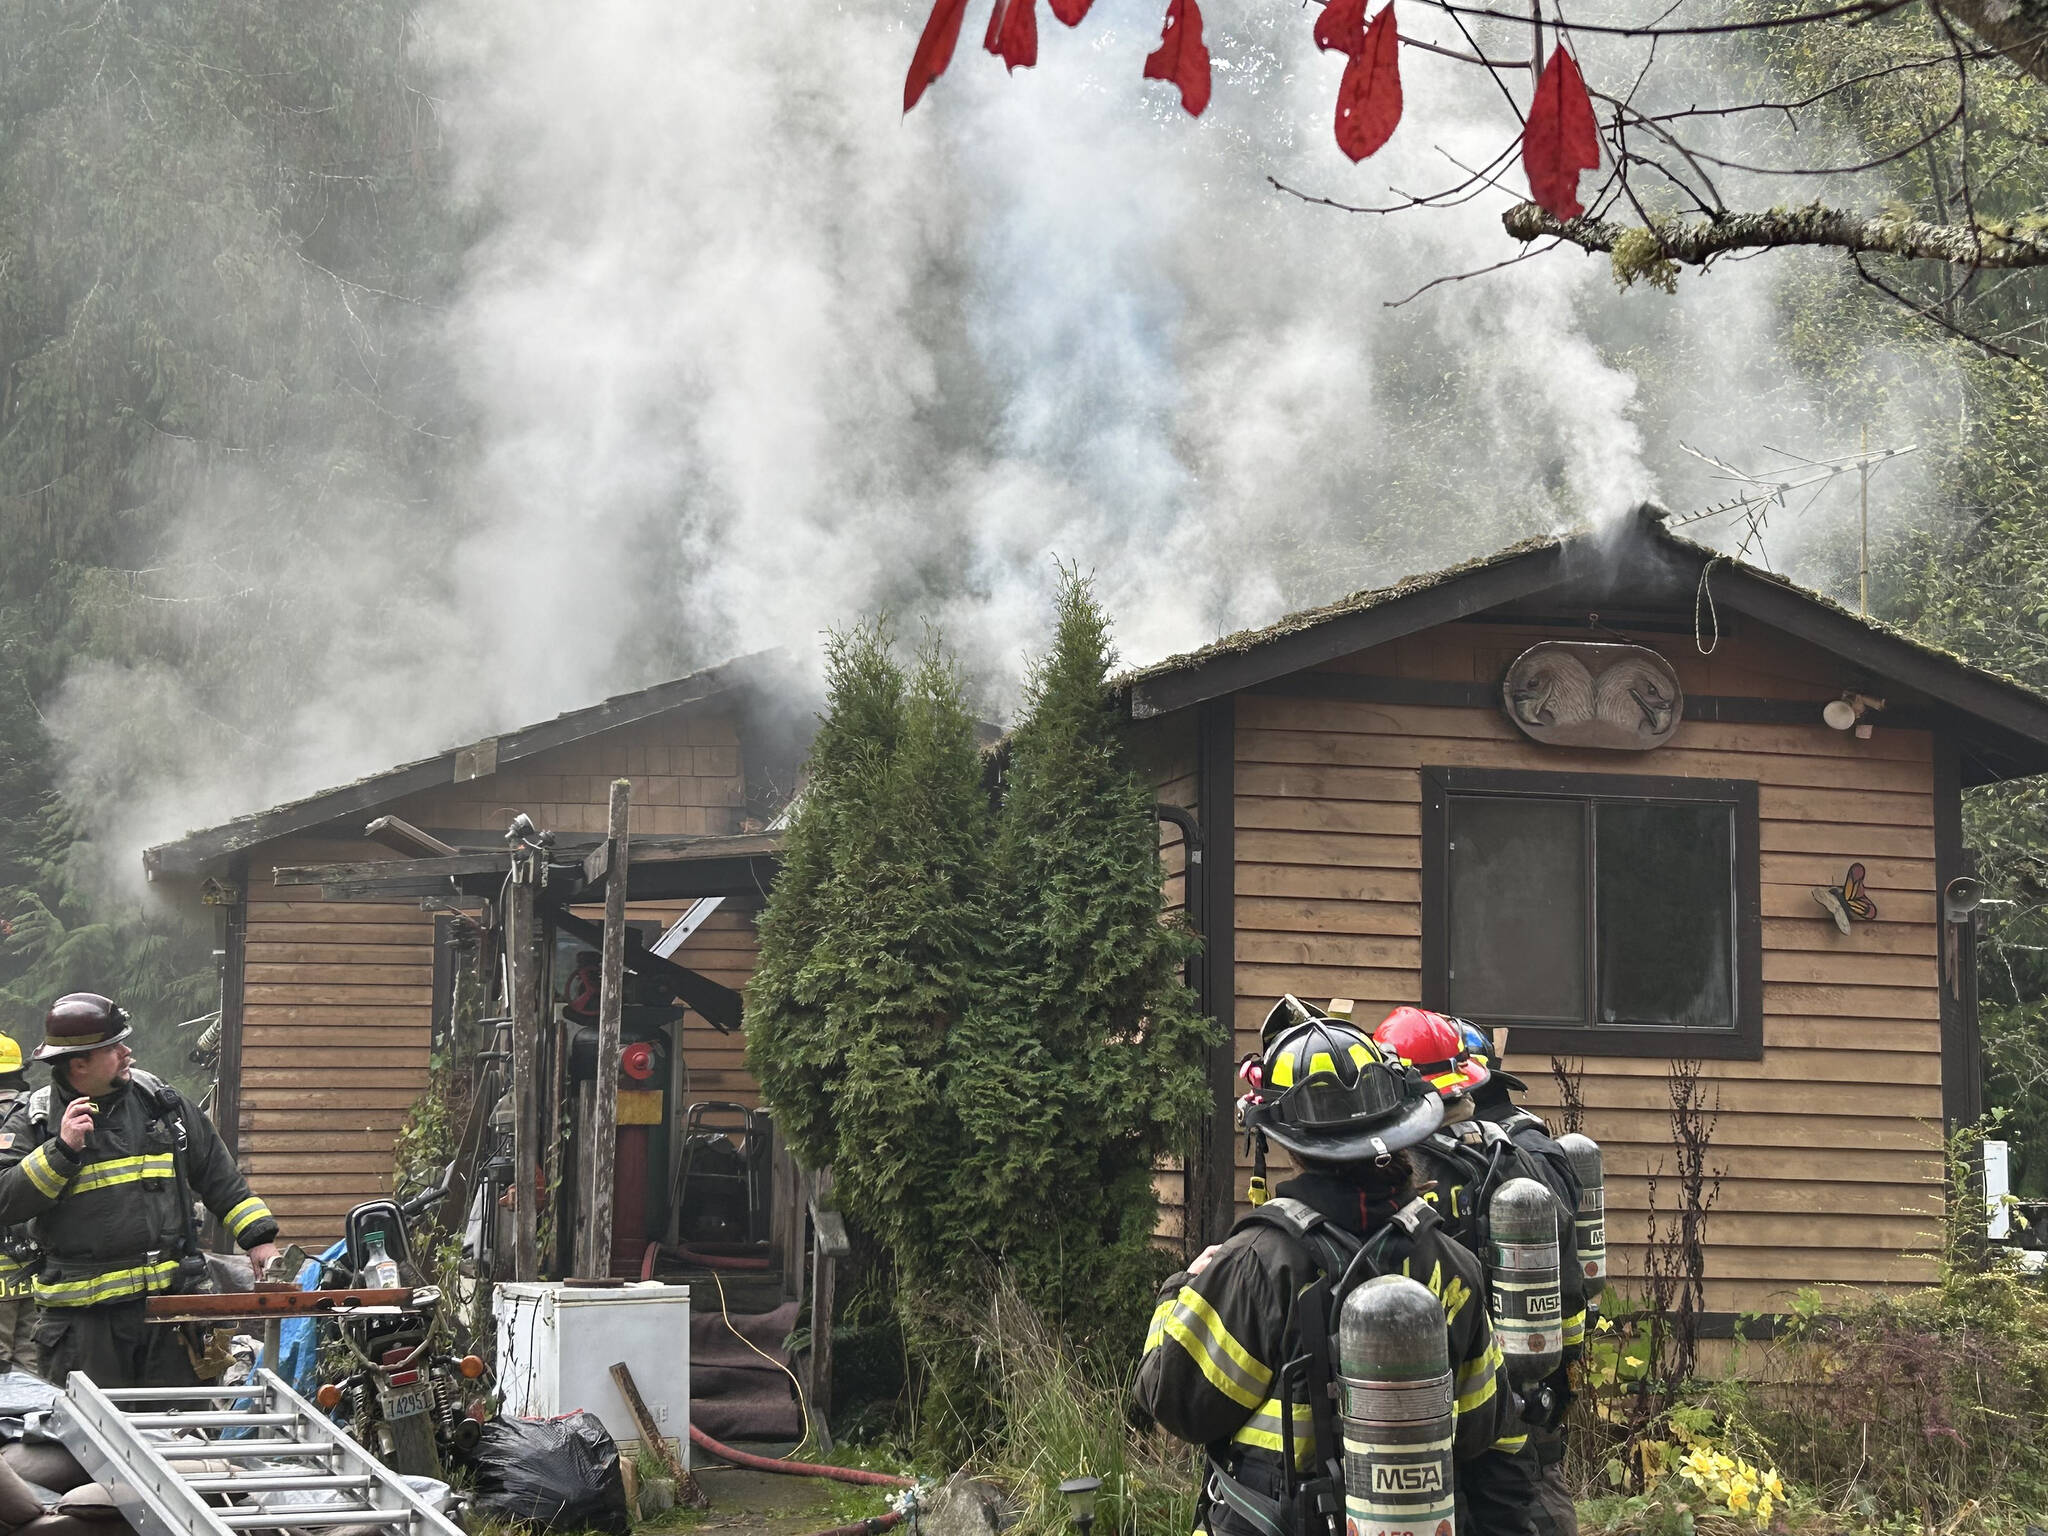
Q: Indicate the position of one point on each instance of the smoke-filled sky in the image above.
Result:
(744, 353)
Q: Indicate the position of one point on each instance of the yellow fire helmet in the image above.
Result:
(10, 1055)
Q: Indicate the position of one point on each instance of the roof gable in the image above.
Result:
(1637, 563)
(199, 850)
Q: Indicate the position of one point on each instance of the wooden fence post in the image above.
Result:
(520, 926)
(603, 1133)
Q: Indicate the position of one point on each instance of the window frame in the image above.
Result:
(1743, 1043)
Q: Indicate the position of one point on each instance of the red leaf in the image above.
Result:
(934, 48)
(1342, 27)
(1181, 57)
(1560, 139)
(1071, 11)
(1013, 32)
(1369, 100)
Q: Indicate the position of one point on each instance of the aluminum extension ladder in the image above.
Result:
(161, 1452)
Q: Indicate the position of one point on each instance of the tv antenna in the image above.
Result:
(1778, 485)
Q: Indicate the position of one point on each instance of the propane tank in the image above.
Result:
(1584, 1153)
(1528, 1309)
(1394, 1366)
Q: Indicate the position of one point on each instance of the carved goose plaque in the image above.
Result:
(1582, 693)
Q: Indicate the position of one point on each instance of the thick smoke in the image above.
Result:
(742, 354)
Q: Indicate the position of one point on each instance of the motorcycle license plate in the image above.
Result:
(403, 1404)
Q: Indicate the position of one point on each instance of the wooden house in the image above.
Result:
(1585, 790)
(330, 1008)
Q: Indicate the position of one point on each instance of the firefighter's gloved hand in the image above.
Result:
(1201, 1261)
(260, 1258)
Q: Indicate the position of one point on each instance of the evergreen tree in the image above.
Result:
(1084, 1063)
(870, 948)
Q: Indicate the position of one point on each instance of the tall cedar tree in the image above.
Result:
(871, 944)
(1083, 1063)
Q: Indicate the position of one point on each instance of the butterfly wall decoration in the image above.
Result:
(1847, 902)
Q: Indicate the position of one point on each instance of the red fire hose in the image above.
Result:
(704, 1442)
(652, 1256)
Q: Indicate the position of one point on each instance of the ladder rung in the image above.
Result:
(242, 1450)
(277, 1482)
(160, 1394)
(176, 1420)
(314, 1516)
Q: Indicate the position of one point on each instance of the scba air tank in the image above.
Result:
(1584, 1153)
(1528, 1308)
(1393, 1358)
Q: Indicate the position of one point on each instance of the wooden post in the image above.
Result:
(688, 1492)
(830, 1244)
(520, 924)
(604, 1119)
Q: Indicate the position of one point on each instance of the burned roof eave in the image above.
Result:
(2002, 722)
(199, 852)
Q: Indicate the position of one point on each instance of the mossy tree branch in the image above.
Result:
(1654, 253)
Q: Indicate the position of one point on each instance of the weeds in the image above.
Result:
(1060, 1414)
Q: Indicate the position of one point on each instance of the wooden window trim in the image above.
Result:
(1744, 1043)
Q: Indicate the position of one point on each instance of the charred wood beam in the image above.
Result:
(1652, 253)
(393, 872)
(720, 1006)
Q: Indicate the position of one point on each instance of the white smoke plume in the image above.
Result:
(744, 353)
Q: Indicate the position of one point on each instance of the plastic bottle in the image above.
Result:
(380, 1271)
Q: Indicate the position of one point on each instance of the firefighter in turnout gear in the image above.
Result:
(104, 1164)
(1556, 1515)
(1239, 1355)
(1464, 1162)
(18, 1255)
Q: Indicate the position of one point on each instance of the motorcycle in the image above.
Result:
(407, 1402)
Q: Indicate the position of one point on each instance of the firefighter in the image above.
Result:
(1555, 1513)
(1230, 1359)
(104, 1163)
(1463, 1161)
(18, 1255)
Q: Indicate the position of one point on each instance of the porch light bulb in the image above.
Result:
(1839, 713)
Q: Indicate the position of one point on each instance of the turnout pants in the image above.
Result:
(114, 1345)
(18, 1334)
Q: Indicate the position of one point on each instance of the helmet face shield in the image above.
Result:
(1324, 1103)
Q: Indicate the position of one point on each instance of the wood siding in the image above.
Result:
(1827, 1145)
(339, 995)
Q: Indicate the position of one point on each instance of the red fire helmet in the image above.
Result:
(1434, 1046)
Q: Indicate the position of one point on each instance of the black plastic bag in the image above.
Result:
(551, 1474)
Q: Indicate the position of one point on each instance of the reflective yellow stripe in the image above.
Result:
(123, 1170)
(1194, 1325)
(1262, 1429)
(42, 1173)
(245, 1216)
(1507, 1445)
(1155, 1335)
(108, 1285)
(1575, 1329)
(1475, 1379)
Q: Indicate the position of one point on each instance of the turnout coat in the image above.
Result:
(109, 1219)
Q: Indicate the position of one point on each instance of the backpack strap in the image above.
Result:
(39, 1111)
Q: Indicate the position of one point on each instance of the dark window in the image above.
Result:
(1597, 914)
